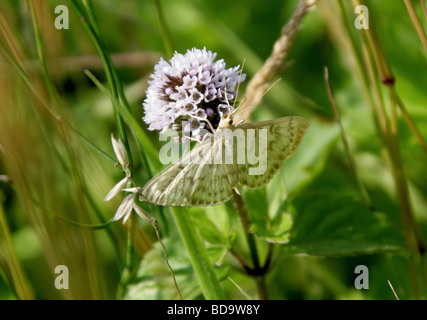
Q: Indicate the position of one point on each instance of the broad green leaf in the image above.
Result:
(271, 229)
(277, 230)
(212, 223)
(335, 225)
(256, 204)
(217, 254)
(276, 194)
(215, 226)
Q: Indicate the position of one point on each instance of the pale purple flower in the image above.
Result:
(189, 88)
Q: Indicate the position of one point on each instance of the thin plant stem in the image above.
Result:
(413, 236)
(387, 78)
(417, 23)
(91, 25)
(383, 129)
(376, 105)
(395, 103)
(53, 94)
(156, 228)
(392, 289)
(130, 252)
(164, 29)
(115, 84)
(350, 157)
(258, 272)
(93, 31)
(275, 63)
(409, 120)
(423, 5)
(412, 241)
(248, 297)
(113, 80)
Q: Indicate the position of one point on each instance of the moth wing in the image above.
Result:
(279, 140)
(196, 179)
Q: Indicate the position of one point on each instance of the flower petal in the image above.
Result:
(125, 208)
(141, 212)
(116, 189)
(120, 151)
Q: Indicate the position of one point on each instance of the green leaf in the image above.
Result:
(213, 225)
(277, 230)
(217, 254)
(154, 280)
(257, 205)
(336, 225)
(272, 229)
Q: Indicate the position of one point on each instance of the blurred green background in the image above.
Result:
(333, 229)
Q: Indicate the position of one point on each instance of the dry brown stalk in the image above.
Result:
(275, 63)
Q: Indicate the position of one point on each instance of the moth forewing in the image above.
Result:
(283, 138)
(256, 151)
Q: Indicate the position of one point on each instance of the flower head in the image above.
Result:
(188, 91)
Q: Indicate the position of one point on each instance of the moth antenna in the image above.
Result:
(237, 91)
(226, 98)
(271, 86)
(241, 104)
(238, 84)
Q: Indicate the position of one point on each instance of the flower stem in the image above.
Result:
(126, 275)
(257, 270)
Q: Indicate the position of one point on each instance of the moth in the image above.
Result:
(204, 177)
